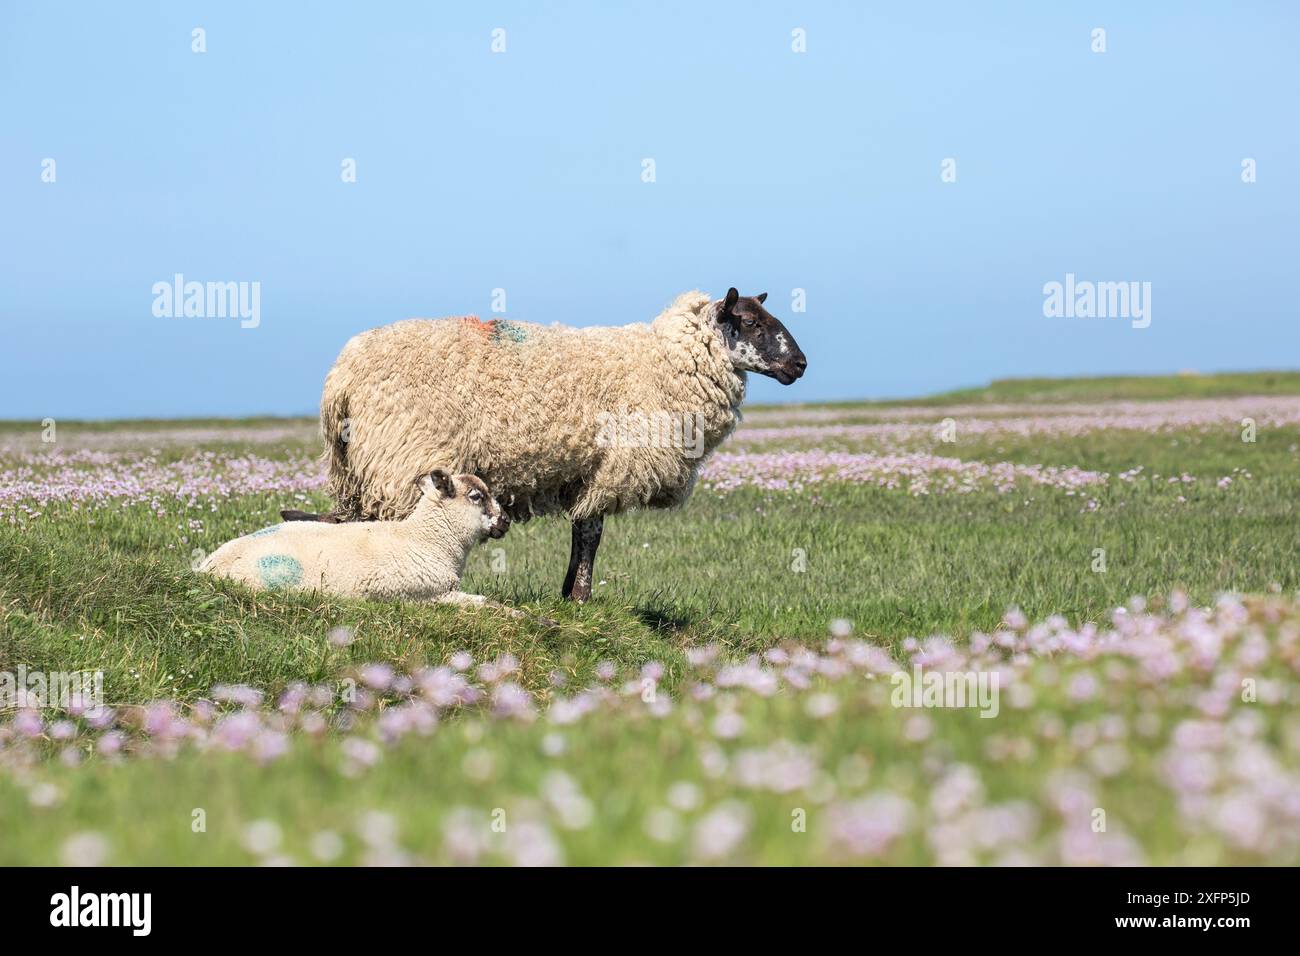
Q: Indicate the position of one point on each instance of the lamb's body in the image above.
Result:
(420, 558)
(520, 405)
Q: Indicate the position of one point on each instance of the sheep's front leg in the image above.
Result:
(461, 599)
(582, 558)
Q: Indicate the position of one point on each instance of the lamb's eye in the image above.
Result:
(747, 322)
(475, 496)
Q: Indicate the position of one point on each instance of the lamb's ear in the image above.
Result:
(761, 297)
(443, 483)
(730, 301)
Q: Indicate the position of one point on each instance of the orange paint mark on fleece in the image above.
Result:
(484, 329)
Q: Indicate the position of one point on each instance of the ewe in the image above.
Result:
(420, 558)
(528, 409)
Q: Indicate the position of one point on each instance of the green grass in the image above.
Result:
(111, 589)
(626, 769)
(1127, 388)
(118, 596)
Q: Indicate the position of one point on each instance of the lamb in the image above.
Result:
(556, 419)
(420, 558)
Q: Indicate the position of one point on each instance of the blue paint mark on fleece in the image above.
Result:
(504, 329)
(265, 531)
(279, 571)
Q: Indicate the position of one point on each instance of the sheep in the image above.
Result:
(420, 558)
(552, 417)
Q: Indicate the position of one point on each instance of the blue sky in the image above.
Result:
(522, 170)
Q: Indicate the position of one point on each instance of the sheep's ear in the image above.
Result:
(761, 297)
(443, 482)
(729, 302)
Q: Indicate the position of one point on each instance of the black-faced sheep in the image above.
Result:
(555, 419)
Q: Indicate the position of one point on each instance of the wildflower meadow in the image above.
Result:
(1037, 623)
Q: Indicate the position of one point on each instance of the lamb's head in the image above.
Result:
(756, 340)
(467, 503)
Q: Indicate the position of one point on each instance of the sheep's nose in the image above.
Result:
(800, 364)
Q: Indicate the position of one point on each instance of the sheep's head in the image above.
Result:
(756, 340)
(470, 500)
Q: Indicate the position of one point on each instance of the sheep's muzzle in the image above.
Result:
(787, 372)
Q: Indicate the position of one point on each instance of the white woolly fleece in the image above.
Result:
(518, 404)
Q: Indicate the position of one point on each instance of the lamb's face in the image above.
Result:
(756, 340)
(488, 511)
(469, 504)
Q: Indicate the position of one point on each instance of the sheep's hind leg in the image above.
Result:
(582, 559)
(340, 515)
(293, 514)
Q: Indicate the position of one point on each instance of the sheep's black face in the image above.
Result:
(756, 340)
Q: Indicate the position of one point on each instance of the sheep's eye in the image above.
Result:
(747, 322)
(475, 496)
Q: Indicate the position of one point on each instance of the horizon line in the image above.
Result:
(928, 397)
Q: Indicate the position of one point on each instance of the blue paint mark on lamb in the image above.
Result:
(279, 570)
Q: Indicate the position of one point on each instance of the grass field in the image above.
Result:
(727, 696)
